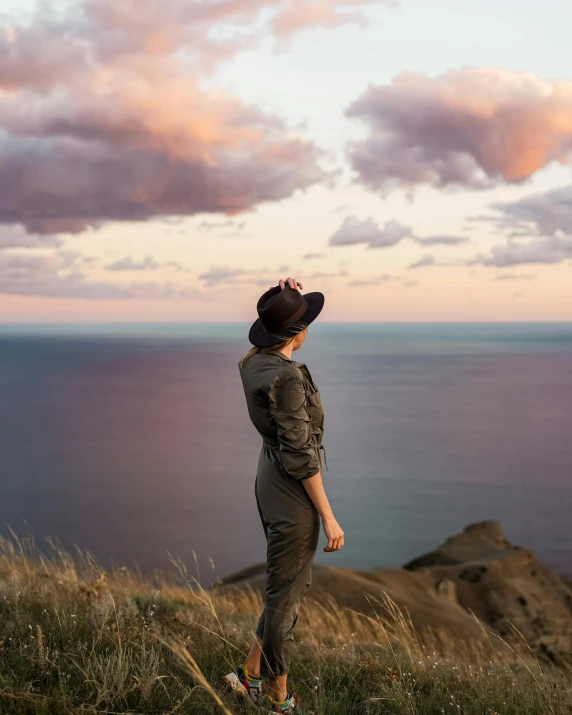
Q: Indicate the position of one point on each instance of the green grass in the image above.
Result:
(74, 639)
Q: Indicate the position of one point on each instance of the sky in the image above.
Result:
(171, 161)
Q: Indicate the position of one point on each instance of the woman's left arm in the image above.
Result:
(315, 488)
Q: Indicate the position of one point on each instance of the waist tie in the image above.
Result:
(325, 461)
(275, 448)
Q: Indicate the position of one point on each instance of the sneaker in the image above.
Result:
(290, 706)
(244, 686)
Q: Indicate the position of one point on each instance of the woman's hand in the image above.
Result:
(334, 533)
(292, 282)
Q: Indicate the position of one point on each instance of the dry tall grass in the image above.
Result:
(75, 639)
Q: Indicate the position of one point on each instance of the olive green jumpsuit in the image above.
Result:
(285, 407)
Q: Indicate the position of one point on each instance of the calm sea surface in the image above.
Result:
(134, 441)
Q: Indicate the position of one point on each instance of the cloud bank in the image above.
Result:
(473, 128)
(61, 275)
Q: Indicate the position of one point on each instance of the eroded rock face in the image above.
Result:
(475, 572)
(506, 587)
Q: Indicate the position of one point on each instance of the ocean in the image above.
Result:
(133, 441)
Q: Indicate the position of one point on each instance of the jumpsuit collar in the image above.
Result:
(284, 357)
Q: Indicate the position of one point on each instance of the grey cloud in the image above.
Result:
(427, 260)
(355, 231)
(523, 233)
(218, 275)
(514, 277)
(215, 225)
(61, 276)
(549, 250)
(128, 263)
(16, 236)
(311, 256)
(546, 217)
(544, 213)
(443, 240)
(266, 277)
(376, 280)
(324, 274)
(410, 284)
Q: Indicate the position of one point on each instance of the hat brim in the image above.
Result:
(261, 339)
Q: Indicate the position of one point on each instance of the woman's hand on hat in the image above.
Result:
(292, 282)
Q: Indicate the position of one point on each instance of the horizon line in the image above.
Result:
(96, 323)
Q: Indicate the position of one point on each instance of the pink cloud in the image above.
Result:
(157, 27)
(474, 127)
(104, 115)
(295, 15)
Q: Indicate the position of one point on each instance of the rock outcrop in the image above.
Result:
(505, 586)
(474, 580)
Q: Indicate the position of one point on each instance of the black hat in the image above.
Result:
(282, 314)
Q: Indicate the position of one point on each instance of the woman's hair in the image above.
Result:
(255, 350)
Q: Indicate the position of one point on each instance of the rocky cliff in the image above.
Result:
(474, 580)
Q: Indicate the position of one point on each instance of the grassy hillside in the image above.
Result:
(74, 639)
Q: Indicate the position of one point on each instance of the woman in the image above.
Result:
(285, 407)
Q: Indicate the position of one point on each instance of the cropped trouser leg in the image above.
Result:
(292, 528)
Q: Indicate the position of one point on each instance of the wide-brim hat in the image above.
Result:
(282, 314)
